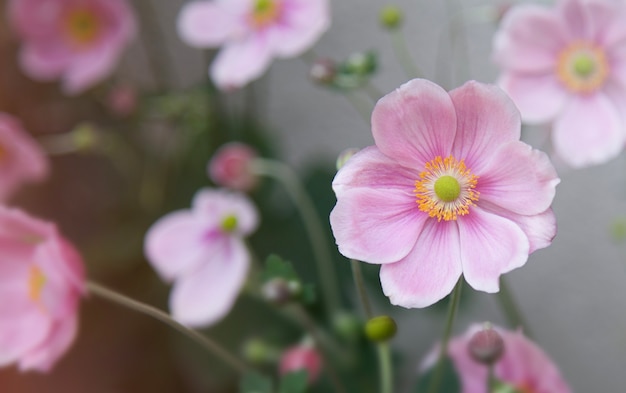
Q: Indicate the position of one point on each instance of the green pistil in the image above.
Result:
(229, 224)
(263, 6)
(447, 188)
(584, 65)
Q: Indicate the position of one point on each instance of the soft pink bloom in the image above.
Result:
(448, 190)
(230, 167)
(41, 282)
(122, 100)
(301, 357)
(524, 365)
(202, 250)
(567, 65)
(21, 158)
(78, 41)
(252, 33)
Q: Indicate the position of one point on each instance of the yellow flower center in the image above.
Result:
(582, 67)
(265, 12)
(36, 282)
(229, 223)
(446, 189)
(82, 26)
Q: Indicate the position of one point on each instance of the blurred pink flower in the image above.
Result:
(41, 282)
(301, 357)
(252, 32)
(21, 158)
(567, 65)
(122, 100)
(523, 365)
(448, 189)
(203, 252)
(79, 41)
(230, 167)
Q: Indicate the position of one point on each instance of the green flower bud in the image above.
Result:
(390, 17)
(257, 351)
(381, 328)
(347, 326)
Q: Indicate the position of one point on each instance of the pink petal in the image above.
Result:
(602, 18)
(21, 334)
(519, 178)
(213, 206)
(486, 119)
(415, 123)
(589, 131)
(376, 225)
(204, 296)
(241, 62)
(539, 98)
(490, 246)
(529, 39)
(90, 68)
(35, 19)
(429, 272)
(205, 24)
(302, 24)
(55, 345)
(576, 18)
(44, 62)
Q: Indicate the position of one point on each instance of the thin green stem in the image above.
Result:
(205, 342)
(357, 275)
(386, 367)
(457, 29)
(312, 224)
(363, 107)
(401, 50)
(443, 350)
(491, 380)
(510, 308)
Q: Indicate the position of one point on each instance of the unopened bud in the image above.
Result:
(230, 167)
(301, 357)
(361, 63)
(280, 291)
(84, 136)
(323, 71)
(347, 326)
(345, 155)
(390, 17)
(381, 328)
(486, 346)
(257, 351)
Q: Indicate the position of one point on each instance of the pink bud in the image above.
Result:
(301, 357)
(230, 167)
(122, 100)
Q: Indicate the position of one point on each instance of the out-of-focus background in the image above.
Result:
(571, 293)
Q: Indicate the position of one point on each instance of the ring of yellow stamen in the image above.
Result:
(82, 27)
(446, 189)
(36, 283)
(582, 67)
(265, 12)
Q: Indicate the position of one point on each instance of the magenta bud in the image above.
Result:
(301, 357)
(230, 167)
(280, 291)
(486, 346)
(323, 71)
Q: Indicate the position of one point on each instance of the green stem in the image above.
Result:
(312, 225)
(205, 342)
(491, 380)
(357, 275)
(443, 350)
(386, 367)
(401, 50)
(510, 308)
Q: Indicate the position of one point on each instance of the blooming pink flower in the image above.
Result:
(41, 281)
(230, 167)
(448, 189)
(301, 357)
(21, 158)
(79, 41)
(523, 365)
(252, 32)
(202, 250)
(567, 65)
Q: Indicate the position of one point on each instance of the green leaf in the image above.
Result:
(275, 267)
(254, 382)
(449, 382)
(308, 295)
(294, 382)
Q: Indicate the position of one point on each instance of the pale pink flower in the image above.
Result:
(567, 65)
(21, 158)
(41, 282)
(448, 190)
(78, 41)
(230, 167)
(523, 365)
(252, 33)
(202, 251)
(301, 357)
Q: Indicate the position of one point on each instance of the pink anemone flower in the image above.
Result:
(252, 33)
(448, 190)
(567, 65)
(78, 41)
(21, 158)
(523, 366)
(41, 282)
(202, 250)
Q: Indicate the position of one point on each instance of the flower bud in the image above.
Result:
(361, 63)
(381, 328)
(390, 17)
(347, 326)
(345, 155)
(486, 346)
(280, 291)
(230, 167)
(122, 100)
(257, 351)
(84, 136)
(301, 357)
(323, 71)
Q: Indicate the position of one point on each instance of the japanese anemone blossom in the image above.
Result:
(252, 32)
(567, 65)
(79, 41)
(21, 158)
(524, 366)
(41, 282)
(448, 189)
(202, 251)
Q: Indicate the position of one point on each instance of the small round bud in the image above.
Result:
(257, 351)
(122, 100)
(229, 167)
(84, 136)
(280, 291)
(381, 328)
(301, 357)
(361, 63)
(323, 71)
(347, 326)
(486, 346)
(390, 17)
(345, 155)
